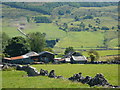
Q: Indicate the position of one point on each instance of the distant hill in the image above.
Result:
(46, 8)
(80, 25)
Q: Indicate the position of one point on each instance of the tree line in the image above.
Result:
(46, 8)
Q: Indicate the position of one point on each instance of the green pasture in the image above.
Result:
(113, 42)
(15, 13)
(100, 8)
(52, 31)
(81, 39)
(103, 52)
(15, 16)
(17, 79)
(103, 22)
(74, 39)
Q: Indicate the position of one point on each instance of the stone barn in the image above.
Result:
(44, 56)
(75, 57)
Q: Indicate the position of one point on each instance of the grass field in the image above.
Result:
(16, 79)
(104, 52)
(74, 39)
(79, 39)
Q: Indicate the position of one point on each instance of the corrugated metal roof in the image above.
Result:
(72, 54)
(23, 56)
(45, 52)
(14, 58)
(27, 55)
(18, 57)
(79, 58)
(31, 54)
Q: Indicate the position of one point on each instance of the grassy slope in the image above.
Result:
(14, 79)
(78, 39)
(11, 12)
(113, 42)
(104, 52)
(52, 31)
(75, 39)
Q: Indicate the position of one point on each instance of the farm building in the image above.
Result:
(75, 57)
(44, 56)
(31, 57)
(24, 59)
(59, 60)
(18, 60)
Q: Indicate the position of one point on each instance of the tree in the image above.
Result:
(74, 29)
(17, 46)
(50, 43)
(82, 26)
(90, 25)
(65, 26)
(37, 41)
(60, 12)
(97, 21)
(69, 49)
(28, 19)
(5, 39)
(42, 20)
(104, 28)
(93, 55)
(94, 28)
(88, 17)
(76, 18)
(68, 11)
(113, 27)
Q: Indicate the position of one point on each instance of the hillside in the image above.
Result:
(46, 8)
(74, 24)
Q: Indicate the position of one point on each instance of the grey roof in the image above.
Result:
(79, 58)
(45, 52)
(75, 56)
(31, 54)
(72, 54)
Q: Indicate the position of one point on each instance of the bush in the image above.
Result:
(93, 55)
(17, 46)
(74, 29)
(69, 49)
(88, 17)
(104, 28)
(60, 12)
(42, 20)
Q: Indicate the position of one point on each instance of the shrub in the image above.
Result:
(42, 20)
(88, 17)
(69, 49)
(93, 55)
(74, 29)
(104, 28)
